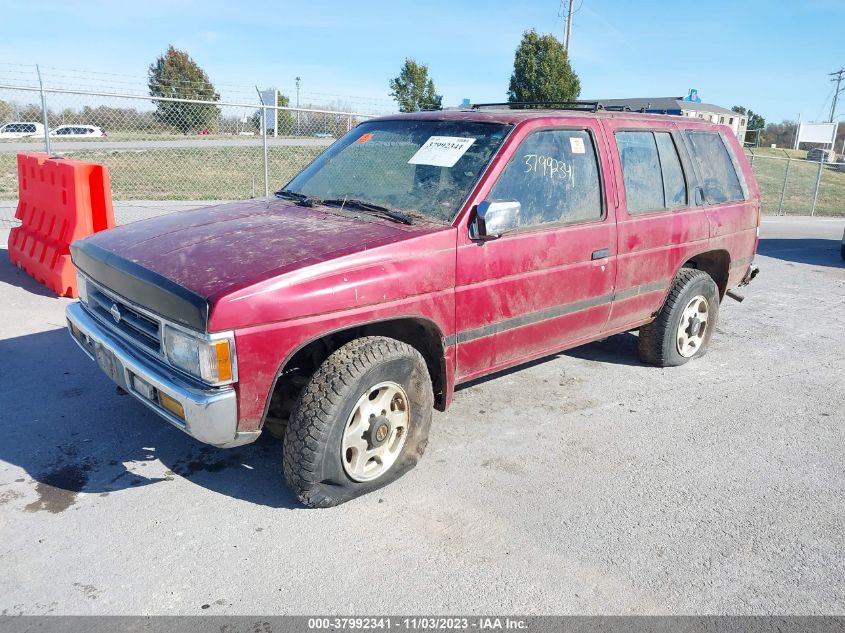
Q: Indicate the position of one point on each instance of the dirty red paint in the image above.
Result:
(281, 276)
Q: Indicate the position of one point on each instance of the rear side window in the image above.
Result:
(674, 185)
(651, 170)
(718, 176)
(555, 177)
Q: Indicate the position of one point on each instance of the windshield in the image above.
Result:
(424, 168)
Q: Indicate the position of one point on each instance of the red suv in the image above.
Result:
(418, 252)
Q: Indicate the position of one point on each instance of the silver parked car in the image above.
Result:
(78, 131)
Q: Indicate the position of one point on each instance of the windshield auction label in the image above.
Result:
(441, 151)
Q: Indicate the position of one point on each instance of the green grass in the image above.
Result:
(38, 141)
(225, 173)
(800, 186)
(780, 152)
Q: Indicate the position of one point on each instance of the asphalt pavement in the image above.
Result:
(583, 483)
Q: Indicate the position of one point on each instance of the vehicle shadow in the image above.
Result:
(64, 424)
(619, 349)
(814, 251)
(14, 276)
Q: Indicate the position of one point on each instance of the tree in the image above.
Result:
(541, 71)
(781, 134)
(755, 121)
(175, 75)
(6, 111)
(284, 118)
(413, 89)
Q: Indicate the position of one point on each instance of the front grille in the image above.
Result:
(125, 319)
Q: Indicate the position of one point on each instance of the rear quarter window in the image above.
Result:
(651, 171)
(716, 168)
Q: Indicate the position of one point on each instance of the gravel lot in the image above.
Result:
(584, 483)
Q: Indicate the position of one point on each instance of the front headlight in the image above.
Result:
(211, 361)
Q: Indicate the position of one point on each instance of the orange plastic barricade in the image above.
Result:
(59, 201)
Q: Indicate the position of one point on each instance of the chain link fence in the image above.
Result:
(169, 154)
(164, 154)
(790, 184)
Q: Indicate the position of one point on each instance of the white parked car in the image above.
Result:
(21, 129)
(77, 131)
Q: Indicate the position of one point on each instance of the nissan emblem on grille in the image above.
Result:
(115, 313)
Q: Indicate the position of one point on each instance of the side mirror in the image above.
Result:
(494, 218)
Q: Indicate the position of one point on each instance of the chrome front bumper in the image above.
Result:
(211, 414)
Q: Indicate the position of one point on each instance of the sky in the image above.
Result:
(771, 56)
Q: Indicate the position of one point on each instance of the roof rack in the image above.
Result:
(583, 106)
(588, 106)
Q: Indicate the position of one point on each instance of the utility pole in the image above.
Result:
(568, 28)
(837, 77)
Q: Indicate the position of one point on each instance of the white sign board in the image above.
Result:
(441, 151)
(270, 118)
(816, 132)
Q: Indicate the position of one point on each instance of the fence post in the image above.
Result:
(264, 142)
(785, 178)
(44, 111)
(266, 165)
(816, 193)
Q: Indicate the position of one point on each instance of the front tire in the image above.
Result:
(361, 422)
(685, 323)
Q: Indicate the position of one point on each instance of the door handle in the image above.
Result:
(600, 254)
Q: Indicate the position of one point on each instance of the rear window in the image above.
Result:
(718, 175)
(651, 171)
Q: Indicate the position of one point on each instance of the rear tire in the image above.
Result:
(685, 323)
(361, 422)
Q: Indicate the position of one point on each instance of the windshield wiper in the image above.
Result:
(301, 198)
(369, 207)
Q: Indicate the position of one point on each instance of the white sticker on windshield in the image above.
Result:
(576, 144)
(441, 151)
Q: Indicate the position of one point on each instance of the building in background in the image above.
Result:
(685, 106)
